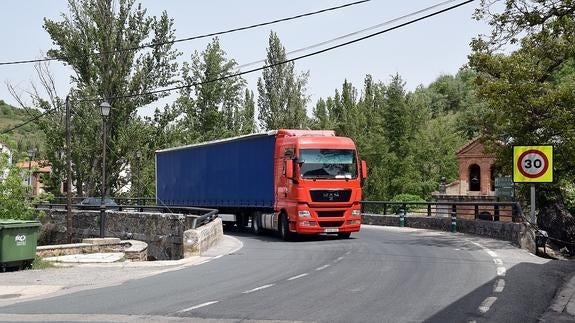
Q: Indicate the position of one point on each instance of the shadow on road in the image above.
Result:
(271, 236)
(528, 289)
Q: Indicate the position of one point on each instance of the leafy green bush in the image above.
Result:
(13, 201)
(569, 194)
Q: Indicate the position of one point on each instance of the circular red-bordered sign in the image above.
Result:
(532, 163)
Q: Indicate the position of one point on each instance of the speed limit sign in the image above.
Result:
(533, 164)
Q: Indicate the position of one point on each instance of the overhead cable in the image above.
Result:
(270, 65)
(155, 44)
(225, 77)
(389, 22)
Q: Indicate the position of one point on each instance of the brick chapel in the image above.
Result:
(476, 173)
(476, 183)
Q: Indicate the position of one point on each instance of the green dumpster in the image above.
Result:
(17, 243)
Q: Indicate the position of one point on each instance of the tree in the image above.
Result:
(102, 41)
(212, 105)
(247, 114)
(529, 93)
(321, 117)
(281, 94)
(13, 201)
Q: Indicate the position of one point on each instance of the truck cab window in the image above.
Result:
(328, 163)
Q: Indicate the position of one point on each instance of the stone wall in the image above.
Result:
(201, 239)
(519, 234)
(162, 232)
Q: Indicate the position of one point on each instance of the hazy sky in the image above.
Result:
(419, 53)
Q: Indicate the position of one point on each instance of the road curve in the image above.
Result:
(382, 274)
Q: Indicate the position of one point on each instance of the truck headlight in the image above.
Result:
(303, 213)
(356, 212)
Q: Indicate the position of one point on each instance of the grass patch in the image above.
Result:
(40, 263)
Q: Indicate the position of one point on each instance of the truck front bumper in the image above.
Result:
(312, 227)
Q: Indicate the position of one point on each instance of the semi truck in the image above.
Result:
(289, 181)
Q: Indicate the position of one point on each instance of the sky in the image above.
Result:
(419, 53)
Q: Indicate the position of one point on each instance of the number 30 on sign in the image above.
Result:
(533, 164)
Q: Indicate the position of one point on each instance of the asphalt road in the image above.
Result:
(382, 274)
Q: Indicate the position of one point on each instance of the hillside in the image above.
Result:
(19, 140)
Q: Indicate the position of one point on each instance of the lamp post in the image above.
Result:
(31, 153)
(105, 111)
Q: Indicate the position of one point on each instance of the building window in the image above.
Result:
(474, 178)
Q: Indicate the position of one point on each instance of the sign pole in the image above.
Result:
(533, 203)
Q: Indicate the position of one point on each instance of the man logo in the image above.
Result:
(330, 195)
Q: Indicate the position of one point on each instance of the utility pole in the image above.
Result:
(68, 174)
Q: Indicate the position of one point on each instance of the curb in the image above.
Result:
(562, 308)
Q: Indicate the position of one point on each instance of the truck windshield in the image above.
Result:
(327, 163)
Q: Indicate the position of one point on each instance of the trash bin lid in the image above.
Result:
(11, 223)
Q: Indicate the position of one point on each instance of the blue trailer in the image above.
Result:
(224, 174)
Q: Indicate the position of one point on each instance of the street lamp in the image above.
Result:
(105, 111)
(31, 153)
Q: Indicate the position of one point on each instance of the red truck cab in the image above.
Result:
(318, 184)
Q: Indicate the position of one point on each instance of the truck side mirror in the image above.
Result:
(288, 168)
(363, 169)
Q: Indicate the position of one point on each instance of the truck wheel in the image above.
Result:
(344, 235)
(256, 223)
(242, 221)
(285, 233)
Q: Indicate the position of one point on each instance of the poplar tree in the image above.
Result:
(212, 102)
(281, 93)
(102, 41)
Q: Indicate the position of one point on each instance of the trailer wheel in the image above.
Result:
(242, 221)
(344, 235)
(256, 223)
(285, 233)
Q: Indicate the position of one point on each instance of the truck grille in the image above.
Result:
(330, 214)
(331, 224)
(330, 195)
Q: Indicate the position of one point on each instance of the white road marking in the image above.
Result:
(298, 276)
(218, 257)
(499, 286)
(203, 262)
(198, 306)
(258, 288)
(339, 259)
(491, 253)
(486, 305)
(322, 267)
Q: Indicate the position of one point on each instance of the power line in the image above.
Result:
(355, 32)
(28, 121)
(225, 77)
(267, 66)
(149, 45)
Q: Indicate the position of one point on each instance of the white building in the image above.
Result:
(5, 161)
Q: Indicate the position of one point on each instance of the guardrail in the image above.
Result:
(200, 216)
(491, 211)
(119, 200)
